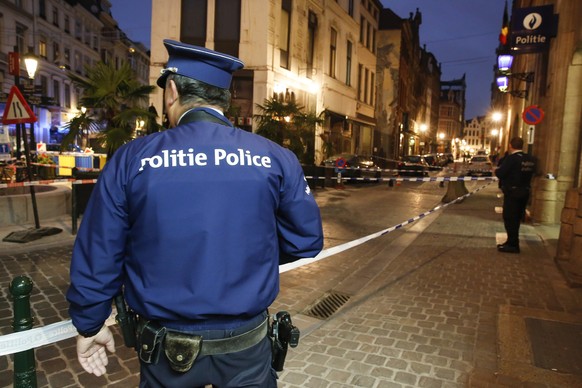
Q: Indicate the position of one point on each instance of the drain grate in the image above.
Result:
(555, 345)
(327, 305)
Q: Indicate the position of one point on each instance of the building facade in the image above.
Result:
(554, 85)
(451, 114)
(479, 135)
(319, 52)
(408, 88)
(66, 36)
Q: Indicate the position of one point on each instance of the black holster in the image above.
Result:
(126, 319)
(150, 335)
(282, 334)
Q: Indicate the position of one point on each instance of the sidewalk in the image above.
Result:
(432, 305)
(448, 311)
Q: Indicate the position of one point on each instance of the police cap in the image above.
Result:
(199, 63)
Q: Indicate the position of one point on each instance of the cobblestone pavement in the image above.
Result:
(433, 305)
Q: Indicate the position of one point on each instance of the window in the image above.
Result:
(43, 85)
(57, 53)
(366, 76)
(372, 88)
(20, 32)
(227, 27)
(332, 52)
(67, 24)
(360, 72)
(285, 33)
(311, 30)
(56, 16)
(42, 47)
(351, 8)
(57, 92)
(78, 30)
(67, 96)
(193, 22)
(67, 55)
(349, 64)
(105, 56)
(362, 29)
(78, 63)
(42, 9)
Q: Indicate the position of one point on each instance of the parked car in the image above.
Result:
(446, 158)
(480, 165)
(356, 166)
(413, 165)
(433, 161)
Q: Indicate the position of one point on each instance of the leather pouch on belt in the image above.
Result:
(182, 350)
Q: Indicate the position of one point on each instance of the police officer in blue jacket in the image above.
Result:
(192, 224)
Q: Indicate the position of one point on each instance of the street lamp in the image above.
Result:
(493, 144)
(504, 62)
(31, 64)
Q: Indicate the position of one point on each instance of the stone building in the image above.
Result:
(322, 53)
(451, 113)
(408, 87)
(66, 36)
(546, 73)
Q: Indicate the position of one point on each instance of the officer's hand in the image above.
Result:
(91, 351)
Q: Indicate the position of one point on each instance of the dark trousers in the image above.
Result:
(248, 368)
(513, 213)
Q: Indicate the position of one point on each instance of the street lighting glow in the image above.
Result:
(279, 88)
(441, 135)
(496, 116)
(31, 63)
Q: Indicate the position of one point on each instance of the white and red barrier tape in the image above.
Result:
(40, 336)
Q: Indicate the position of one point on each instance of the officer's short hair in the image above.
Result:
(195, 93)
(516, 143)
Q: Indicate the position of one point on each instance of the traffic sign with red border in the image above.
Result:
(532, 115)
(340, 163)
(17, 110)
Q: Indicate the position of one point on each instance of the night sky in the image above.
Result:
(462, 35)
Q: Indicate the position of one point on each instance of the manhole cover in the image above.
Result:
(327, 305)
(556, 345)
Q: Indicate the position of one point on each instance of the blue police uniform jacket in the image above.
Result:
(193, 222)
(516, 171)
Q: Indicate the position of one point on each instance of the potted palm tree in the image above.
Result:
(116, 99)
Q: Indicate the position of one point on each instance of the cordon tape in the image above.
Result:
(40, 336)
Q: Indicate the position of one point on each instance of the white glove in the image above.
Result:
(91, 351)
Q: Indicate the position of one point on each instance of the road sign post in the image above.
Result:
(18, 112)
(340, 165)
(532, 115)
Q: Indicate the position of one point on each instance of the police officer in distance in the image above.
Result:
(515, 172)
(194, 242)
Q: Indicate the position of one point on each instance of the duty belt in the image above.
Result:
(233, 344)
(182, 349)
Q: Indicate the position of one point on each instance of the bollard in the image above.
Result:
(24, 362)
(455, 189)
(339, 183)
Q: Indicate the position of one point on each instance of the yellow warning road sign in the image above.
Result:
(17, 110)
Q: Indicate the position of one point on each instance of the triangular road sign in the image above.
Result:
(17, 110)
